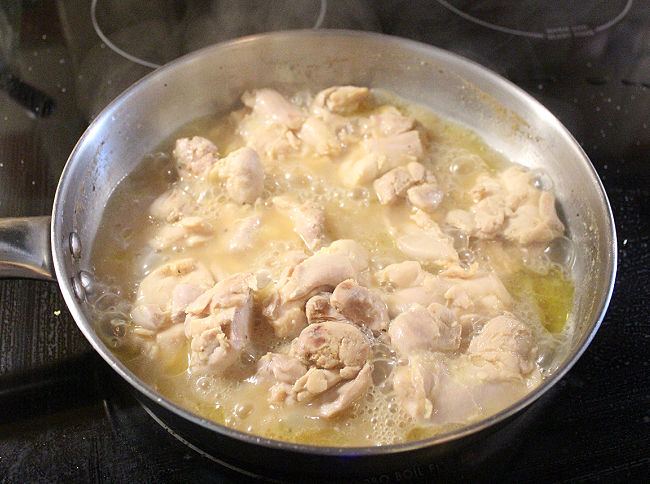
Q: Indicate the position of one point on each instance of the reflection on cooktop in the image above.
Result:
(542, 19)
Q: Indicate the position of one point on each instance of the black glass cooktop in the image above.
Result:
(66, 416)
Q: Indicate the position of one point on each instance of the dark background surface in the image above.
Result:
(65, 416)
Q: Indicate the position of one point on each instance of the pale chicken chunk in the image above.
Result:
(430, 393)
(280, 372)
(154, 306)
(341, 260)
(425, 240)
(273, 108)
(535, 224)
(319, 309)
(308, 220)
(425, 329)
(387, 123)
(340, 99)
(482, 292)
(186, 232)
(339, 373)
(270, 128)
(332, 345)
(195, 156)
(360, 306)
(173, 205)
(507, 346)
(394, 150)
(219, 324)
(425, 196)
(244, 175)
(393, 185)
(245, 232)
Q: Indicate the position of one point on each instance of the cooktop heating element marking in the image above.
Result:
(549, 33)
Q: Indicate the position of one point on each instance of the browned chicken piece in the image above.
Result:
(219, 324)
(308, 220)
(319, 309)
(244, 175)
(360, 306)
(186, 232)
(195, 156)
(507, 346)
(163, 294)
(173, 205)
(340, 99)
(422, 329)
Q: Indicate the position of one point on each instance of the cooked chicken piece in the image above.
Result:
(195, 156)
(186, 232)
(463, 220)
(360, 306)
(244, 234)
(426, 196)
(489, 216)
(510, 206)
(335, 353)
(402, 274)
(394, 184)
(172, 205)
(507, 345)
(411, 285)
(535, 224)
(286, 318)
(219, 324)
(321, 136)
(244, 175)
(347, 393)
(319, 309)
(395, 150)
(332, 346)
(421, 329)
(168, 348)
(340, 99)
(182, 296)
(426, 241)
(343, 259)
(308, 220)
(154, 307)
(388, 123)
(358, 171)
(281, 372)
(482, 291)
(269, 127)
(431, 394)
(273, 108)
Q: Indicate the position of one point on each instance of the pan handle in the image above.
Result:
(25, 249)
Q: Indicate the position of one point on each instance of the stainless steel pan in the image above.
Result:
(212, 80)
